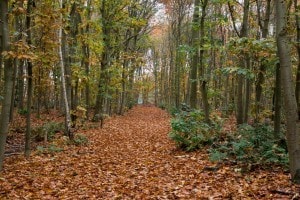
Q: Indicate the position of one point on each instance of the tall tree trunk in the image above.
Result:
(103, 65)
(290, 103)
(123, 92)
(297, 11)
(8, 80)
(195, 56)
(12, 104)
(203, 81)
(20, 86)
(66, 53)
(1, 57)
(29, 83)
(247, 92)
(86, 62)
(240, 115)
(277, 103)
(101, 88)
(68, 122)
(264, 26)
(155, 66)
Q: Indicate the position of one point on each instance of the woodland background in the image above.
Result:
(202, 61)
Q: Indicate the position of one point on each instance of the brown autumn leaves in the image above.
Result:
(133, 158)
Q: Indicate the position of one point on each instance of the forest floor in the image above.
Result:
(131, 157)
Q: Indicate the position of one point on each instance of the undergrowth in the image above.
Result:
(251, 144)
(248, 144)
(190, 131)
(47, 131)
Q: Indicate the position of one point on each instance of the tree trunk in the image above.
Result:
(103, 66)
(201, 63)
(290, 103)
(297, 11)
(155, 65)
(264, 26)
(13, 95)
(277, 103)
(86, 63)
(68, 122)
(240, 115)
(8, 81)
(66, 53)
(20, 86)
(195, 57)
(29, 83)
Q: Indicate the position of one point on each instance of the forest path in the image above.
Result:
(130, 158)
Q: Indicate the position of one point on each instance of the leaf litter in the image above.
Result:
(131, 157)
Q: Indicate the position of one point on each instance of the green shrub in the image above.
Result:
(51, 149)
(53, 127)
(254, 144)
(80, 140)
(47, 131)
(23, 111)
(162, 106)
(190, 131)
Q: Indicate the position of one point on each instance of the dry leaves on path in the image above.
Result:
(133, 158)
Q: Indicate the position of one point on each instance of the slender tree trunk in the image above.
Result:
(103, 65)
(29, 95)
(123, 92)
(264, 26)
(243, 61)
(101, 88)
(297, 11)
(8, 81)
(66, 53)
(290, 103)
(20, 86)
(247, 93)
(1, 57)
(277, 103)
(39, 93)
(28, 117)
(201, 63)
(240, 106)
(12, 104)
(68, 122)
(155, 65)
(195, 56)
(86, 63)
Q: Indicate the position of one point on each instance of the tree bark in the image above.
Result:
(264, 26)
(68, 122)
(297, 10)
(195, 57)
(240, 114)
(29, 83)
(85, 61)
(277, 103)
(290, 103)
(204, 81)
(8, 81)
